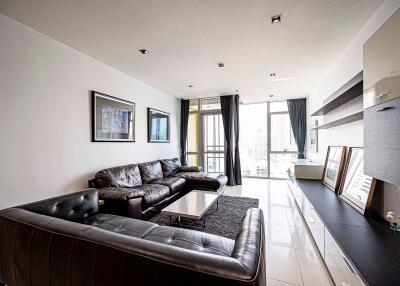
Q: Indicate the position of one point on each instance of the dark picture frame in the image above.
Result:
(356, 188)
(333, 169)
(113, 119)
(158, 126)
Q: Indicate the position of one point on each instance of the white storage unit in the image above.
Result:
(306, 169)
(340, 267)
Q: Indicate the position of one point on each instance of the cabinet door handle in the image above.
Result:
(385, 109)
(348, 265)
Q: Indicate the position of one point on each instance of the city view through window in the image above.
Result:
(267, 146)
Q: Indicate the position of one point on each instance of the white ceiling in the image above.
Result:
(188, 38)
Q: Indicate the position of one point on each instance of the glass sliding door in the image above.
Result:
(254, 140)
(283, 149)
(213, 142)
(206, 138)
(267, 145)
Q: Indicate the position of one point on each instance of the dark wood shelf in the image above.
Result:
(341, 121)
(352, 89)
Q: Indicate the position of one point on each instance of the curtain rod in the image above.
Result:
(263, 101)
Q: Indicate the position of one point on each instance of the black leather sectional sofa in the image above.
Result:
(66, 240)
(142, 190)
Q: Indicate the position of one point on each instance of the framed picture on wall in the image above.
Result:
(357, 188)
(334, 164)
(157, 126)
(113, 119)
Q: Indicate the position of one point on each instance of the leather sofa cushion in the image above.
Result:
(174, 184)
(121, 177)
(203, 181)
(190, 169)
(178, 237)
(190, 239)
(170, 166)
(150, 171)
(153, 194)
(121, 225)
(120, 194)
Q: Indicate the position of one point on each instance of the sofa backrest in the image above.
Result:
(72, 207)
(42, 250)
(170, 166)
(127, 176)
(150, 171)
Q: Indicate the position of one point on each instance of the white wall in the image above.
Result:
(347, 66)
(45, 118)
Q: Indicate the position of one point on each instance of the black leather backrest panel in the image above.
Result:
(72, 207)
(150, 171)
(170, 166)
(41, 250)
(249, 243)
(120, 177)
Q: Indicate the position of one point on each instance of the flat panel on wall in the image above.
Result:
(382, 141)
(382, 63)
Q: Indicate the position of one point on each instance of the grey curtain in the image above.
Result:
(184, 129)
(298, 119)
(230, 119)
(237, 169)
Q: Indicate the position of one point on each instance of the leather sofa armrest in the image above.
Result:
(249, 244)
(119, 194)
(190, 169)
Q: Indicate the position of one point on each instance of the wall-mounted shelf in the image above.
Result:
(341, 121)
(352, 89)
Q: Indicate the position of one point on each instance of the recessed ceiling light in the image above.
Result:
(276, 19)
(271, 95)
(144, 51)
(221, 65)
(191, 85)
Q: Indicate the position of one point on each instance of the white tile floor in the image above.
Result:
(291, 254)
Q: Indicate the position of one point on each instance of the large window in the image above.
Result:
(254, 140)
(267, 145)
(206, 143)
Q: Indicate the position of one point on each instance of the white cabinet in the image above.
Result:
(382, 63)
(339, 266)
(306, 169)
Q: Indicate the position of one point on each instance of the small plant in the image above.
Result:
(393, 219)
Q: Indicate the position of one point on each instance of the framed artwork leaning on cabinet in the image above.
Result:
(333, 169)
(357, 188)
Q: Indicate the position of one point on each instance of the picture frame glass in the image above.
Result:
(356, 186)
(113, 119)
(158, 126)
(333, 166)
